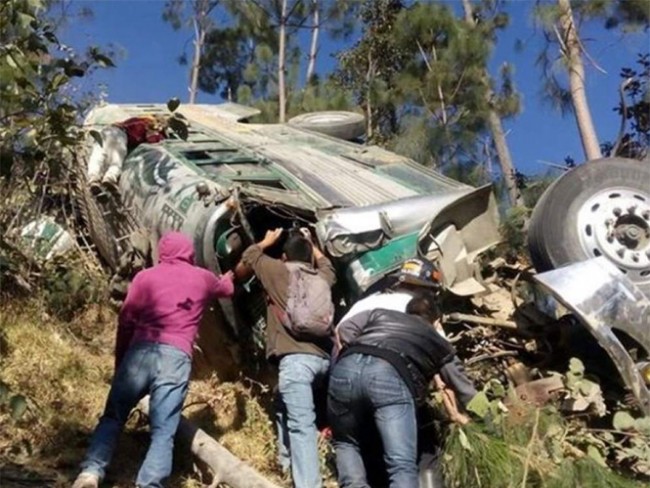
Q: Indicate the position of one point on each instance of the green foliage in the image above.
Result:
(513, 230)
(535, 188)
(183, 13)
(507, 101)
(586, 473)
(369, 69)
(14, 404)
(319, 95)
(239, 60)
(629, 15)
(626, 15)
(414, 140)
(38, 114)
(444, 77)
(518, 444)
(474, 459)
(69, 287)
(633, 139)
(419, 73)
(239, 55)
(529, 445)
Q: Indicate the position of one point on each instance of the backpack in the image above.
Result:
(309, 310)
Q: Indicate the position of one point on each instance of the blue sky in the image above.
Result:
(147, 71)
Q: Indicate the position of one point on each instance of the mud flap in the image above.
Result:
(603, 299)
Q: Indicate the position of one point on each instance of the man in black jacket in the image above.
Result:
(383, 371)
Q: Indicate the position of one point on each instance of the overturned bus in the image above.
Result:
(227, 181)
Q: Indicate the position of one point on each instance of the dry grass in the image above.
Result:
(64, 369)
(65, 380)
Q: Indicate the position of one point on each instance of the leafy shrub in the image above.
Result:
(69, 287)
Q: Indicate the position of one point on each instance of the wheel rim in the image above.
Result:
(615, 223)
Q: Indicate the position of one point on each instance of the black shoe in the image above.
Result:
(95, 189)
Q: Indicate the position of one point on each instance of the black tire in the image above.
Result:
(587, 203)
(342, 125)
(104, 220)
(92, 221)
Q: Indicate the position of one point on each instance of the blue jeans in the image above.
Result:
(363, 388)
(296, 417)
(163, 372)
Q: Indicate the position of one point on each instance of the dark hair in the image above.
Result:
(297, 248)
(424, 305)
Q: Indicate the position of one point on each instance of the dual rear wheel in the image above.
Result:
(601, 208)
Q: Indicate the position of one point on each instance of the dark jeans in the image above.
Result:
(365, 387)
(163, 372)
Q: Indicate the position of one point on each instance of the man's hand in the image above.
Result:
(450, 403)
(317, 252)
(270, 238)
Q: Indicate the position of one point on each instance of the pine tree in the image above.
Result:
(369, 68)
(197, 14)
(336, 17)
(284, 17)
(494, 119)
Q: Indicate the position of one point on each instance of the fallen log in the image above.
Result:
(463, 317)
(226, 468)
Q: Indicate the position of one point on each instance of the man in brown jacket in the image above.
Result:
(303, 362)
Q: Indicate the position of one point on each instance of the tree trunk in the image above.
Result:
(281, 63)
(199, 39)
(225, 467)
(313, 49)
(505, 161)
(498, 134)
(369, 80)
(571, 47)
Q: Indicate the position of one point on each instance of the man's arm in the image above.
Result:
(454, 376)
(265, 267)
(324, 266)
(222, 286)
(351, 328)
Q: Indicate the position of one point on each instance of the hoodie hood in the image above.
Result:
(174, 247)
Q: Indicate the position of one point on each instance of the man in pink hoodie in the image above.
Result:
(156, 331)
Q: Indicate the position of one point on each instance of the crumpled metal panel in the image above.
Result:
(603, 299)
(353, 230)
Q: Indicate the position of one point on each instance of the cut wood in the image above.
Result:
(463, 317)
(226, 468)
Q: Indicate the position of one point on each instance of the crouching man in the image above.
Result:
(298, 339)
(386, 363)
(156, 331)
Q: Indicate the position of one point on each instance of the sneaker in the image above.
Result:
(86, 480)
(95, 188)
(111, 187)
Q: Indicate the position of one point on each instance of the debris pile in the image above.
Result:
(552, 410)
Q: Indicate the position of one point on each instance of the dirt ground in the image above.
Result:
(64, 369)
